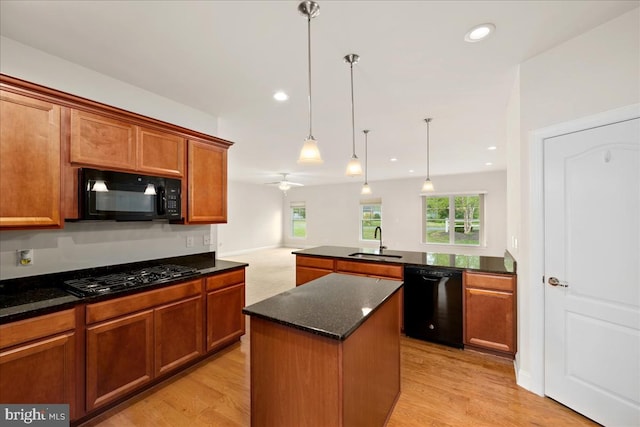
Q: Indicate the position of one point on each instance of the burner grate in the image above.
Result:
(128, 280)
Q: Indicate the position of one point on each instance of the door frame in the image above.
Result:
(534, 381)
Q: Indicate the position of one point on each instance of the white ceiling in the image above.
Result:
(227, 58)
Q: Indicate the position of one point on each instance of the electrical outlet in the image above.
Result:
(189, 241)
(206, 240)
(25, 257)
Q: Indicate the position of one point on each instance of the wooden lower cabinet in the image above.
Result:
(310, 268)
(132, 340)
(490, 312)
(36, 367)
(178, 334)
(119, 357)
(225, 300)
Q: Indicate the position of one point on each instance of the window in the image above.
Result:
(370, 218)
(298, 220)
(454, 219)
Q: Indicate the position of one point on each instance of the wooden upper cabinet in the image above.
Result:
(207, 183)
(101, 141)
(30, 160)
(160, 153)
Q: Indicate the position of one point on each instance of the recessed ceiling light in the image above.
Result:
(479, 32)
(393, 159)
(493, 147)
(280, 96)
(488, 164)
(411, 171)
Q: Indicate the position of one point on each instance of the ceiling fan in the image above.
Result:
(284, 184)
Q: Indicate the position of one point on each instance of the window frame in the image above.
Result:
(292, 219)
(482, 243)
(361, 219)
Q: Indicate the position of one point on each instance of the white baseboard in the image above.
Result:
(246, 251)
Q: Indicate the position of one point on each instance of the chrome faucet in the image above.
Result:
(375, 236)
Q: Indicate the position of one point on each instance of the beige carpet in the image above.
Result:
(270, 272)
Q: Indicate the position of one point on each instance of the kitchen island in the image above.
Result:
(327, 353)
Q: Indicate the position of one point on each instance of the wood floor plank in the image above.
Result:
(441, 387)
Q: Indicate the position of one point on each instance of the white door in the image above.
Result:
(592, 246)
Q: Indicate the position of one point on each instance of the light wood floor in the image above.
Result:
(441, 386)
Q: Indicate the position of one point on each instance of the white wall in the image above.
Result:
(333, 213)
(83, 245)
(594, 72)
(35, 66)
(93, 244)
(255, 219)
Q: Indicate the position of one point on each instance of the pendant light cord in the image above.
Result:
(427, 120)
(366, 144)
(309, 63)
(353, 114)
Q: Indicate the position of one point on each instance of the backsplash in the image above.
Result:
(87, 244)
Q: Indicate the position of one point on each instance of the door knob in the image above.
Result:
(553, 281)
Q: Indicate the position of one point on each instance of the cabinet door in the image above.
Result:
(307, 274)
(207, 183)
(178, 334)
(225, 321)
(102, 142)
(160, 153)
(40, 372)
(119, 357)
(489, 321)
(30, 159)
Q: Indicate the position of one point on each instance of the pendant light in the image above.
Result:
(365, 187)
(309, 153)
(353, 168)
(427, 186)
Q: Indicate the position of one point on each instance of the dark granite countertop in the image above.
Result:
(31, 296)
(334, 305)
(487, 264)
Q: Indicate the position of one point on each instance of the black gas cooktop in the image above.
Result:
(91, 286)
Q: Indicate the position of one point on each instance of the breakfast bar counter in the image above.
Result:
(326, 353)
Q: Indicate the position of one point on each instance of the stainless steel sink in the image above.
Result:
(370, 255)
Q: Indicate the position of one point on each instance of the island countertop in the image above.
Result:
(479, 263)
(333, 306)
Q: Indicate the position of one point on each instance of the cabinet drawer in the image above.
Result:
(130, 304)
(38, 327)
(225, 279)
(499, 282)
(307, 261)
(370, 269)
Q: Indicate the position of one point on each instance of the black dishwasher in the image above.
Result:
(433, 304)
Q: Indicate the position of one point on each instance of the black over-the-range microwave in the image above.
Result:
(108, 195)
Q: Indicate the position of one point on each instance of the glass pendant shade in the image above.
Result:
(427, 186)
(365, 189)
(310, 153)
(354, 168)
